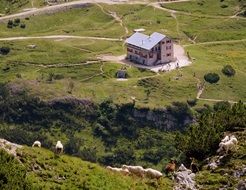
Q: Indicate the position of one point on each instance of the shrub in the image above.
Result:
(224, 105)
(212, 77)
(17, 20)
(224, 6)
(192, 102)
(12, 173)
(23, 26)
(4, 50)
(228, 70)
(10, 22)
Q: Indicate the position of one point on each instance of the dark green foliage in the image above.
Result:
(220, 106)
(201, 140)
(228, 70)
(4, 50)
(17, 20)
(31, 118)
(12, 173)
(23, 25)
(180, 111)
(212, 77)
(123, 155)
(192, 102)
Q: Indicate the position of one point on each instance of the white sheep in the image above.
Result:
(120, 170)
(227, 138)
(36, 143)
(137, 170)
(229, 145)
(59, 147)
(152, 173)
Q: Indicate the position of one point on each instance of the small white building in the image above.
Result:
(150, 50)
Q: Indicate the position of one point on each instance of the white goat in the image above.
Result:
(152, 173)
(229, 145)
(36, 143)
(120, 170)
(137, 170)
(59, 147)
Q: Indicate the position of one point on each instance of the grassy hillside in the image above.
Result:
(209, 7)
(12, 6)
(45, 170)
(226, 175)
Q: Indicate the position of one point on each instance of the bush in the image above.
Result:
(12, 173)
(212, 77)
(4, 50)
(192, 102)
(23, 26)
(228, 70)
(10, 22)
(220, 106)
(224, 6)
(17, 21)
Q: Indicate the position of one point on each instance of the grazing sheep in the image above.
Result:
(121, 170)
(137, 170)
(170, 167)
(227, 138)
(59, 147)
(152, 173)
(229, 145)
(36, 143)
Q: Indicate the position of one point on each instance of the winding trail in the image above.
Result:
(216, 42)
(58, 37)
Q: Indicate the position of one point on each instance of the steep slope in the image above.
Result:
(230, 171)
(45, 170)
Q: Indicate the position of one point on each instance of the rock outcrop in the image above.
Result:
(184, 179)
(9, 147)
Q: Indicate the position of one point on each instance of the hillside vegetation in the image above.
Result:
(45, 170)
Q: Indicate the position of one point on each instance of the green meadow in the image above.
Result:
(66, 59)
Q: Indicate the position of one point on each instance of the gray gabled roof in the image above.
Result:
(144, 41)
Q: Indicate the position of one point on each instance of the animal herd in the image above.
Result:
(58, 147)
(137, 170)
(228, 143)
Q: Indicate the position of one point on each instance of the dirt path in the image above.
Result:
(98, 74)
(58, 37)
(116, 17)
(59, 64)
(70, 5)
(216, 42)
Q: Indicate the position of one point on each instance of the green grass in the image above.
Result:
(53, 51)
(209, 7)
(88, 21)
(63, 172)
(234, 161)
(12, 6)
(91, 83)
(212, 58)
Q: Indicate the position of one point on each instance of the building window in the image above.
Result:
(128, 49)
(163, 42)
(168, 54)
(136, 52)
(151, 55)
(168, 47)
(168, 41)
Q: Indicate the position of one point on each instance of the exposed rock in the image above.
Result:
(241, 185)
(240, 172)
(184, 179)
(9, 147)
